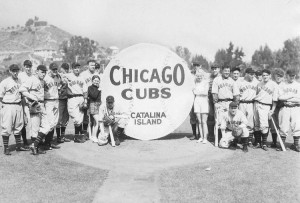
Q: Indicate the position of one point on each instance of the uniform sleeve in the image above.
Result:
(280, 90)
(235, 89)
(215, 89)
(275, 93)
(2, 89)
(84, 87)
(25, 86)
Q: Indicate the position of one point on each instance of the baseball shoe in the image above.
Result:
(60, 140)
(250, 144)
(77, 140)
(40, 151)
(264, 147)
(66, 139)
(245, 148)
(6, 151)
(233, 146)
(117, 141)
(295, 148)
(34, 150)
(200, 140)
(273, 145)
(20, 149)
(204, 141)
(256, 146)
(53, 146)
(193, 137)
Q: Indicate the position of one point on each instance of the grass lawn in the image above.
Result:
(256, 176)
(47, 178)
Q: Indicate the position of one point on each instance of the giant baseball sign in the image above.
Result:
(153, 85)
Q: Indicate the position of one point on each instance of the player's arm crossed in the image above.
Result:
(24, 89)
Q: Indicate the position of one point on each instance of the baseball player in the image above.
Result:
(52, 82)
(63, 114)
(247, 89)
(258, 75)
(24, 76)
(278, 75)
(215, 72)
(234, 119)
(33, 90)
(77, 98)
(264, 106)
(11, 110)
(224, 91)
(110, 110)
(235, 74)
(289, 113)
(87, 77)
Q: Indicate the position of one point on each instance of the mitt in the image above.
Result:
(108, 120)
(237, 131)
(34, 107)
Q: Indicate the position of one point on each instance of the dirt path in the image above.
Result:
(135, 166)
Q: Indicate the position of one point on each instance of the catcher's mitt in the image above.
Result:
(237, 131)
(34, 107)
(108, 120)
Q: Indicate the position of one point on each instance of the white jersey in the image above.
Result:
(289, 89)
(87, 77)
(229, 121)
(225, 88)
(23, 76)
(9, 90)
(34, 86)
(76, 84)
(267, 92)
(51, 86)
(247, 90)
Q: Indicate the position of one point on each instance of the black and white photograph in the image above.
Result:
(149, 101)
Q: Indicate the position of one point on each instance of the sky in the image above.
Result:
(203, 26)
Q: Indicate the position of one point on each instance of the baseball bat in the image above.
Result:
(111, 137)
(278, 135)
(216, 127)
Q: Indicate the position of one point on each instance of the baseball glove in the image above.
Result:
(34, 107)
(108, 120)
(237, 131)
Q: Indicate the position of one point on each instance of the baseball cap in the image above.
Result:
(27, 63)
(74, 65)
(41, 67)
(266, 71)
(249, 70)
(279, 72)
(214, 65)
(110, 99)
(65, 66)
(14, 67)
(53, 66)
(235, 69)
(233, 105)
(291, 72)
(258, 72)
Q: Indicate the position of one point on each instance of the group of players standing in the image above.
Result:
(251, 104)
(37, 104)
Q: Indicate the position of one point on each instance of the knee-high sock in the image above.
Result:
(49, 137)
(250, 137)
(18, 140)
(274, 138)
(296, 141)
(5, 141)
(63, 130)
(283, 139)
(257, 136)
(194, 127)
(78, 130)
(58, 133)
(39, 138)
(264, 138)
(85, 126)
(244, 140)
(23, 132)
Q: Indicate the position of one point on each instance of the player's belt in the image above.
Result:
(75, 95)
(291, 106)
(11, 103)
(51, 99)
(263, 103)
(222, 100)
(247, 102)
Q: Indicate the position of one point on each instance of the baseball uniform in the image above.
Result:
(12, 111)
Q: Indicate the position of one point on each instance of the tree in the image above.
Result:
(184, 53)
(202, 61)
(78, 48)
(29, 22)
(230, 56)
(263, 57)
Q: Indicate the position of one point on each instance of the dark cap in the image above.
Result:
(65, 66)
(27, 63)
(266, 71)
(53, 66)
(14, 67)
(249, 70)
(258, 73)
(291, 72)
(74, 65)
(41, 67)
(110, 99)
(235, 69)
(279, 72)
(97, 66)
(214, 65)
(233, 105)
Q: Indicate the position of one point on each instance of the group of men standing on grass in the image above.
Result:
(250, 103)
(40, 103)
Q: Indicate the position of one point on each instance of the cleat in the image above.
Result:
(77, 140)
(204, 141)
(250, 144)
(193, 137)
(294, 148)
(117, 141)
(6, 151)
(53, 146)
(40, 151)
(34, 150)
(256, 146)
(245, 148)
(66, 139)
(273, 145)
(60, 140)
(264, 147)
(20, 149)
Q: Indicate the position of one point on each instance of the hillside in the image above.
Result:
(26, 40)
